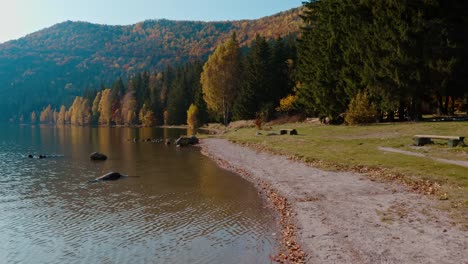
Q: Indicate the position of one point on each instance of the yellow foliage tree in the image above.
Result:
(192, 120)
(79, 112)
(62, 115)
(129, 105)
(95, 107)
(33, 117)
(105, 107)
(220, 78)
(46, 115)
(146, 116)
(55, 114)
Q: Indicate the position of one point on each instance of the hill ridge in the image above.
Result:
(54, 64)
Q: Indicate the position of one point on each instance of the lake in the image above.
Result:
(181, 207)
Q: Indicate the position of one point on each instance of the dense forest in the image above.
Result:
(54, 65)
(353, 61)
(371, 60)
(164, 97)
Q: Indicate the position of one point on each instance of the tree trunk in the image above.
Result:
(440, 105)
(224, 112)
(401, 112)
(446, 105)
(415, 110)
(390, 116)
(452, 106)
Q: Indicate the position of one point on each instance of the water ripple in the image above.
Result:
(182, 209)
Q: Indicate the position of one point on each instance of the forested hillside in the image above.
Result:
(242, 85)
(54, 65)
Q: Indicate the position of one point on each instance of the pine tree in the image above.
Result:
(256, 90)
(320, 59)
(178, 99)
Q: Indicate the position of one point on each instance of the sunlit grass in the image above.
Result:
(345, 147)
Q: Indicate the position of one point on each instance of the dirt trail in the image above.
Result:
(346, 218)
(416, 154)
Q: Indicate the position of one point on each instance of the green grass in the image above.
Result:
(347, 147)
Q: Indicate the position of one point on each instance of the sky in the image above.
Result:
(21, 17)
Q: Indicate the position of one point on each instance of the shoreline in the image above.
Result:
(344, 217)
(290, 249)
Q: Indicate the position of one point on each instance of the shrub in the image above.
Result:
(241, 124)
(259, 120)
(287, 104)
(361, 110)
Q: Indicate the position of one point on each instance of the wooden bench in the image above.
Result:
(453, 141)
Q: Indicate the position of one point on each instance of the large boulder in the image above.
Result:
(97, 156)
(185, 141)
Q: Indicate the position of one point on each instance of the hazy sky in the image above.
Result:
(21, 17)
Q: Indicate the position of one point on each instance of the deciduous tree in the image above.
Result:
(221, 77)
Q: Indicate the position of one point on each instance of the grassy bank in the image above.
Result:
(357, 148)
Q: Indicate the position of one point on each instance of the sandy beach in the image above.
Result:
(346, 217)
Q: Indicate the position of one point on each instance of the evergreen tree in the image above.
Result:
(178, 99)
(256, 90)
(401, 53)
(320, 59)
(156, 105)
(281, 77)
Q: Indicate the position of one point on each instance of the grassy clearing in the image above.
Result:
(350, 147)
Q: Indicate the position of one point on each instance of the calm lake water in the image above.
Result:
(181, 209)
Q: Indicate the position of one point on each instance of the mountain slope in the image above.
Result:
(54, 64)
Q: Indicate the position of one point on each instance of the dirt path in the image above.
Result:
(415, 154)
(346, 218)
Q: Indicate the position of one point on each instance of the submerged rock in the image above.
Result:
(31, 156)
(185, 141)
(97, 156)
(111, 176)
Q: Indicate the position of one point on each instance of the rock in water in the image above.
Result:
(194, 140)
(185, 141)
(97, 156)
(111, 176)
